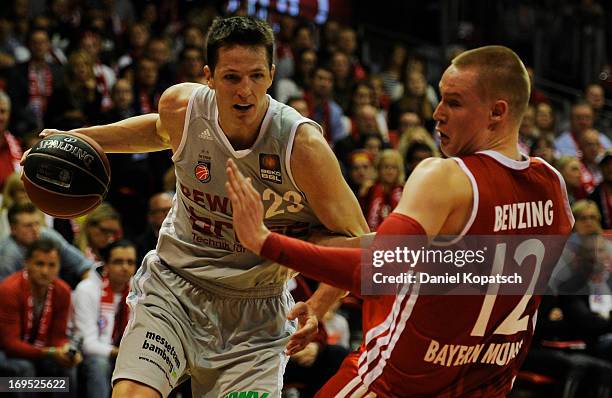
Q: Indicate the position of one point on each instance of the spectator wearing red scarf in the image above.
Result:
(34, 309)
(385, 194)
(101, 314)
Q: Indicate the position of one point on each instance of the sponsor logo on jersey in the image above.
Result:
(247, 394)
(202, 171)
(270, 168)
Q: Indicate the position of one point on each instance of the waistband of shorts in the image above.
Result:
(224, 291)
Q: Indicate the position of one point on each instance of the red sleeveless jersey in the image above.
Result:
(461, 346)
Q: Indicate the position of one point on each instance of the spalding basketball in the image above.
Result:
(66, 175)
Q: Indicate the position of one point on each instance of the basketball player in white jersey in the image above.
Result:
(202, 305)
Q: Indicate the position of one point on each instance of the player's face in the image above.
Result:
(121, 265)
(241, 79)
(43, 267)
(462, 116)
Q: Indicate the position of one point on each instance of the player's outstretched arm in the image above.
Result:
(145, 133)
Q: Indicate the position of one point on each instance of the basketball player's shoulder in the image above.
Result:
(176, 97)
(437, 177)
(309, 142)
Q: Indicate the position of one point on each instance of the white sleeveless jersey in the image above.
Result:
(197, 238)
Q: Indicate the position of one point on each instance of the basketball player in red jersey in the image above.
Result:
(443, 346)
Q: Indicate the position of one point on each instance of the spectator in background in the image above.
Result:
(78, 101)
(191, 66)
(31, 84)
(299, 104)
(147, 90)
(545, 120)
(569, 167)
(34, 316)
(323, 109)
(361, 172)
(25, 222)
(159, 206)
(528, 131)
(347, 44)
(602, 195)
(544, 147)
(381, 99)
(138, 37)
(414, 99)
(101, 227)
(123, 102)
(301, 80)
(101, 314)
(13, 192)
(416, 134)
(363, 94)
(91, 43)
(590, 148)
(394, 70)
(415, 153)
(373, 144)
(10, 147)
(364, 123)
(384, 195)
(594, 95)
(343, 82)
(158, 49)
(581, 119)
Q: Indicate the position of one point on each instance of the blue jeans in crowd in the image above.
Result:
(95, 375)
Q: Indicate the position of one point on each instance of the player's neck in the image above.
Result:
(240, 135)
(507, 145)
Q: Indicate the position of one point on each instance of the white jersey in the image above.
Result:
(197, 239)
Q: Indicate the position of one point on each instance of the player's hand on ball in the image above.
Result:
(43, 134)
(308, 326)
(247, 209)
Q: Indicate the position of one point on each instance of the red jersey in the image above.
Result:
(461, 346)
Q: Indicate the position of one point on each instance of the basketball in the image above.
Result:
(66, 175)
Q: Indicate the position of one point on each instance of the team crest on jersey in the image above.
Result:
(202, 171)
(270, 168)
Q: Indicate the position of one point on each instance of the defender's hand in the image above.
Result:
(308, 326)
(247, 209)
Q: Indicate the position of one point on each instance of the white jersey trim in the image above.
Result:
(289, 149)
(238, 154)
(568, 209)
(179, 150)
(506, 161)
(475, 202)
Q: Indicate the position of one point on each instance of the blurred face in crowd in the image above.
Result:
(193, 63)
(363, 95)
(361, 170)
(388, 171)
(159, 51)
(5, 114)
(121, 265)
(587, 221)
(544, 149)
(347, 41)
(595, 96)
(527, 127)
(26, 229)
(340, 66)
(104, 232)
(571, 173)
(581, 118)
(81, 67)
(417, 157)
(462, 116)
(300, 105)
(147, 73)
(409, 120)
(122, 94)
(590, 146)
(308, 62)
(303, 38)
(193, 37)
(416, 84)
(323, 83)
(139, 36)
(43, 267)
(159, 206)
(366, 119)
(39, 45)
(398, 56)
(373, 144)
(544, 117)
(90, 43)
(241, 79)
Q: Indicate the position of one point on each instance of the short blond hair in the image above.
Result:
(501, 75)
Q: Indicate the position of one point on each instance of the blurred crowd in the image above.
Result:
(70, 63)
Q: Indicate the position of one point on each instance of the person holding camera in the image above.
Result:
(34, 311)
